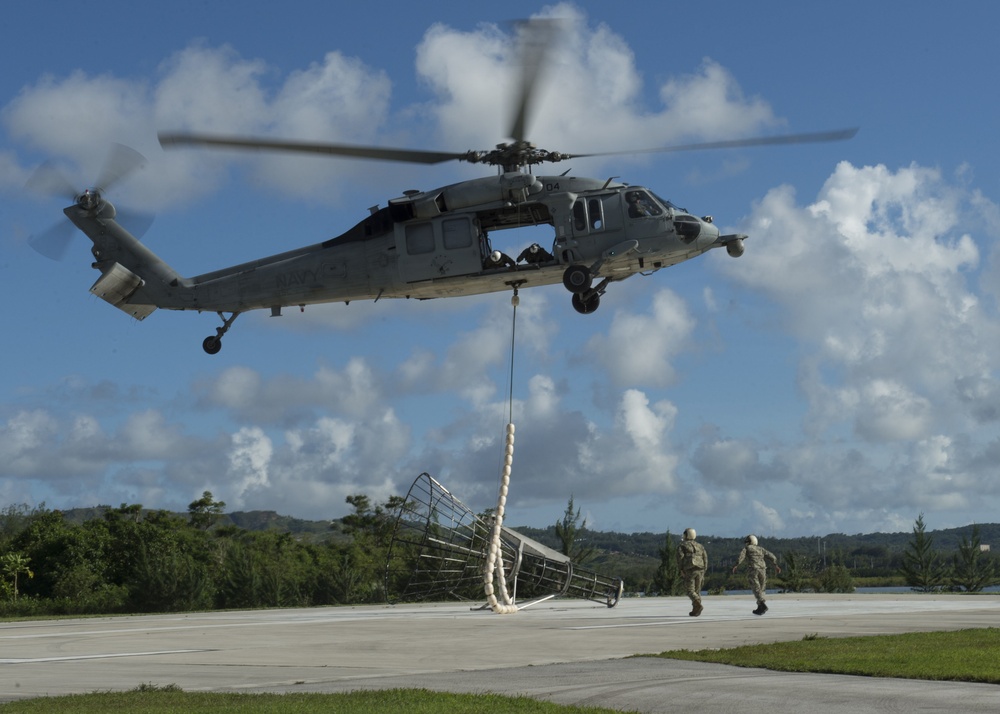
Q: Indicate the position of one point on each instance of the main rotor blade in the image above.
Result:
(414, 156)
(536, 39)
(809, 138)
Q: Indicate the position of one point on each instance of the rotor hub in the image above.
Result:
(514, 156)
(89, 199)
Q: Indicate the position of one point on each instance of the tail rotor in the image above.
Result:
(49, 181)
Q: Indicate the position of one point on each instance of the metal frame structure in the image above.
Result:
(440, 550)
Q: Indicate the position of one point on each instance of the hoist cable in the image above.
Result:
(513, 331)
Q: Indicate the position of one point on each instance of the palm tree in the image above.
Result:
(13, 565)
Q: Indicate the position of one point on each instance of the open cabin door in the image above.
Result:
(438, 248)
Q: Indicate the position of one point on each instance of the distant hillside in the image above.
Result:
(632, 545)
(246, 520)
(271, 521)
(648, 544)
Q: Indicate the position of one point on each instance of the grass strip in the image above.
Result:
(964, 655)
(171, 700)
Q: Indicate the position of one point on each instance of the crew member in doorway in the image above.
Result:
(496, 259)
(534, 254)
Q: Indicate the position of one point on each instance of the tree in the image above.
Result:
(160, 563)
(569, 535)
(667, 580)
(363, 566)
(973, 570)
(922, 566)
(205, 511)
(835, 578)
(14, 564)
(15, 518)
(796, 575)
(55, 547)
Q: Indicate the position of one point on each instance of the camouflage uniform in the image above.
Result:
(757, 558)
(692, 561)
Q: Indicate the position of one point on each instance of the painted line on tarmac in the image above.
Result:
(675, 622)
(33, 660)
(162, 628)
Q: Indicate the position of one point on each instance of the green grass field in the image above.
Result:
(411, 701)
(966, 655)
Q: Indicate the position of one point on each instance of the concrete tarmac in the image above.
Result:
(565, 651)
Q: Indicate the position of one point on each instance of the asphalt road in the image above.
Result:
(564, 651)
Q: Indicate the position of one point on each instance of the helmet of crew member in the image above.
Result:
(533, 248)
(495, 256)
(689, 534)
(750, 540)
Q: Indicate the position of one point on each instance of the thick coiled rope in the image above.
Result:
(494, 560)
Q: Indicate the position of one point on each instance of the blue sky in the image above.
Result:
(842, 376)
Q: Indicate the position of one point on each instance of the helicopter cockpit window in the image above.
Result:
(420, 238)
(641, 204)
(670, 206)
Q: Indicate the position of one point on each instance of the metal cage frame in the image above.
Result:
(439, 551)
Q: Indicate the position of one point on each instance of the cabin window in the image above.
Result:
(457, 233)
(420, 238)
(579, 216)
(596, 214)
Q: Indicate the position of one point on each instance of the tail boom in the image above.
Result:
(133, 278)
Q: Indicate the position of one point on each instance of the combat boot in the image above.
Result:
(698, 609)
(761, 608)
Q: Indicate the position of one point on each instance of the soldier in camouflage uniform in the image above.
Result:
(757, 558)
(692, 560)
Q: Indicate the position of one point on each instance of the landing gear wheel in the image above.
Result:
(585, 306)
(212, 345)
(577, 279)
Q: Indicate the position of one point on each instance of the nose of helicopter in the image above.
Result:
(709, 233)
(699, 231)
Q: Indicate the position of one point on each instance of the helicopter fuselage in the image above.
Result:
(425, 245)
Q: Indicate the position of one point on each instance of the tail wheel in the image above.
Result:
(577, 279)
(212, 345)
(585, 306)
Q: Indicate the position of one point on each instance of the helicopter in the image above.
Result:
(427, 244)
